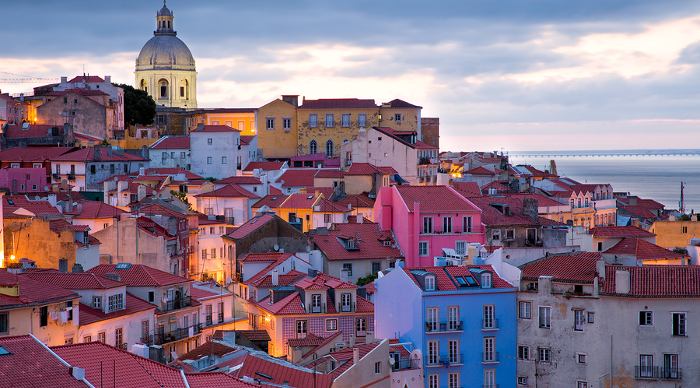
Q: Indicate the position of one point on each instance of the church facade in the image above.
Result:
(165, 67)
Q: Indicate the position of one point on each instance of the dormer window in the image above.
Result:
(430, 283)
(485, 280)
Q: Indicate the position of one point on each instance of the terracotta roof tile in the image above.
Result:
(369, 169)
(229, 191)
(577, 267)
(254, 335)
(31, 292)
(250, 226)
(265, 166)
(98, 153)
(467, 189)
(214, 128)
(86, 78)
(73, 280)
(280, 373)
(656, 281)
(138, 275)
(32, 154)
(620, 232)
(397, 103)
(300, 201)
(215, 379)
(32, 131)
(298, 177)
(94, 209)
(333, 103)
(240, 180)
(133, 305)
(272, 201)
(643, 250)
(172, 143)
(435, 198)
(370, 244)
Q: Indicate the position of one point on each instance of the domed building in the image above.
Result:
(165, 66)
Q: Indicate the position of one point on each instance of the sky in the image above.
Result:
(501, 75)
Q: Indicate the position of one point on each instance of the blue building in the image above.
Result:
(463, 318)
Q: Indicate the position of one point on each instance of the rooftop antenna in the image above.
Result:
(681, 203)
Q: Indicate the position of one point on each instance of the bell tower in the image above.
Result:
(165, 21)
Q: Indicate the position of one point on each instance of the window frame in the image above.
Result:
(529, 309)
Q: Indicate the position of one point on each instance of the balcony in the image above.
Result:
(164, 337)
(175, 304)
(657, 373)
(453, 360)
(473, 230)
(489, 358)
(318, 309)
(404, 363)
(489, 324)
(347, 308)
(443, 327)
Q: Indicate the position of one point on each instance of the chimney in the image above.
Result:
(596, 287)
(275, 277)
(544, 285)
(64, 80)
(291, 99)
(600, 268)
(622, 281)
(355, 356)
(108, 78)
(530, 209)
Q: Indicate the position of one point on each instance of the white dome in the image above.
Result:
(165, 52)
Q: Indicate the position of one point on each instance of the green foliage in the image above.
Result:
(182, 197)
(366, 280)
(139, 107)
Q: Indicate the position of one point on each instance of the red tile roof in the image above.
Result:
(86, 78)
(300, 201)
(138, 275)
(290, 304)
(656, 281)
(172, 143)
(32, 131)
(435, 199)
(420, 145)
(370, 244)
(229, 191)
(467, 189)
(240, 180)
(40, 208)
(280, 373)
(253, 335)
(290, 277)
(215, 379)
(643, 250)
(326, 206)
(480, 171)
(30, 364)
(97, 154)
(369, 169)
(309, 340)
(214, 128)
(112, 367)
(31, 292)
(73, 280)
(274, 260)
(265, 166)
(620, 232)
(397, 103)
(339, 103)
(445, 276)
(492, 216)
(329, 173)
(133, 305)
(171, 171)
(323, 281)
(94, 209)
(298, 177)
(32, 154)
(250, 226)
(272, 201)
(246, 139)
(206, 349)
(264, 256)
(579, 267)
(356, 201)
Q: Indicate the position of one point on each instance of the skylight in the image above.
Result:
(123, 266)
(4, 352)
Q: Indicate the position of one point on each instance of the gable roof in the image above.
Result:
(132, 305)
(139, 275)
(18, 131)
(370, 244)
(369, 169)
(579, 267)
(276, 372)
(271, 200)
(467, 189)
(228, 191)
(32, 154)
(643, 250)
(214, 128)
(300, 201)
(339, 103)
(13, 205)
(98, 154)
(31, 292)
(620, 232)
(172, 143)
(434, 198)
(240, 180)
(250, 226)
(445, 277)
(265, 166)
(87, 209)
(73, 280)
(397, 103)
(298, 177)
(656, 281)
(30, 364)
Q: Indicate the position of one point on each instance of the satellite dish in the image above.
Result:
(276, 247)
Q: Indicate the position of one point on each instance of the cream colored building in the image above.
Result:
(165, 67)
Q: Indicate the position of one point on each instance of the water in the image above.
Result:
(655, 177)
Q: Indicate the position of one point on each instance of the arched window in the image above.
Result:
(313, 147)
(184, 89)
(329, 148)
(143, 86)
(163, 86)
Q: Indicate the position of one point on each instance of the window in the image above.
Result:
(102, 337)
(327, 219)
(431, 318)
(115, 302)
(579, 320)
(489, 354)
(209, 160)
(213, 252)
(646, 318)
(446, 224)
(422, 248)
(87, 338)
(347, 267)
(4, 323)
(208, 312)
(684, 229)
(360, 326)
(490, 378)
(496, 235)
(44, 316)
(362, 120)
(545, 317)
(581, 384)
(313, 147)
(581, 358)
(522, 380)
(182, 91)
(544, 354)
(524, 310)
(329, 148)
(510, 234)
(489, 317)
(433, 350)
(330, 120)
(313, 120)
(461, 247)
(376, 267)
(591, 317)
(646, 365)
(453, 351)
(345, 120)
(223, 160)
(210, 141)
(670, 370)
(679, 325)
(453, 318)
(97, 302)
(523, 352)
(453, 380)
(316, 303)
(145, 330)
(151, 296)
(220, 312)
(397, 117)
(467, 225)
(430, 283)
(485, 280)
(433, 381)
(331, 324)
(427, 225)
(118, 337)
(270, 123)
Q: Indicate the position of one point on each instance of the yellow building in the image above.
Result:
(676, 234)
(242, 119)
(277, 128)
(400, 115)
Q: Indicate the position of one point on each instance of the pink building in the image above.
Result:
(23, 180)
(426, 219)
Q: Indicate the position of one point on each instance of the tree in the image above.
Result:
(139, 107)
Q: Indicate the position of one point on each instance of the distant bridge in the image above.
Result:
(605, 154)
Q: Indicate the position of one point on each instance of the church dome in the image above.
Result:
(165, 51)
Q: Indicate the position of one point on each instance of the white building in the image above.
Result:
(170, 152)
(585, 324)
(231, 204)
(214, 150)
